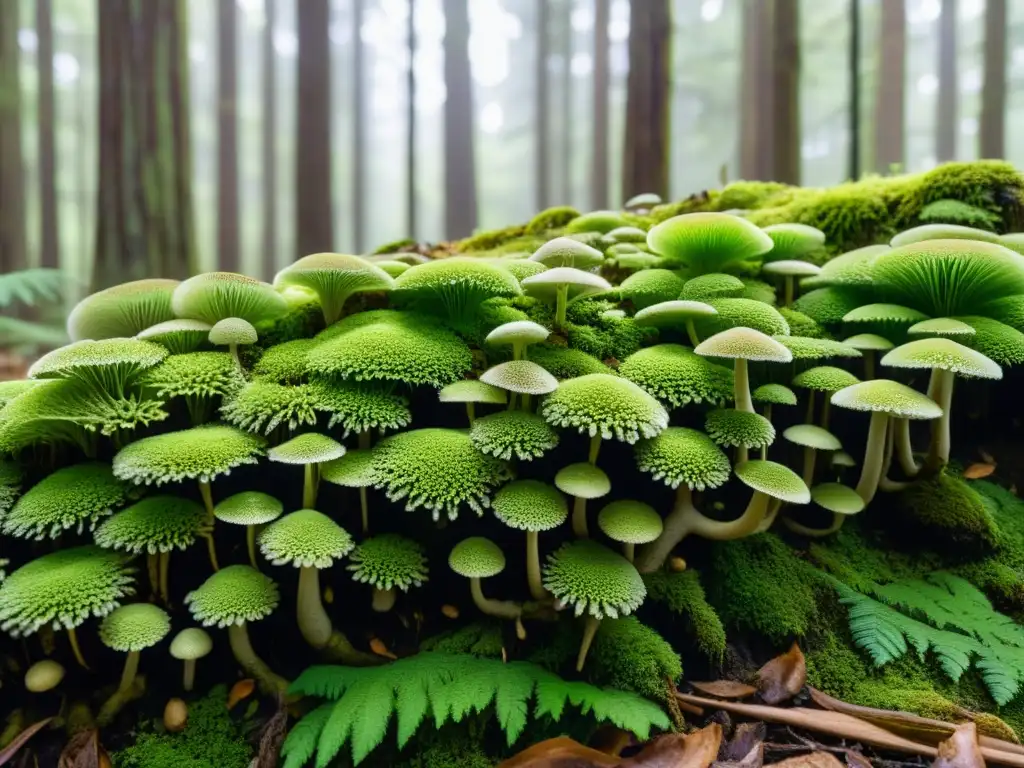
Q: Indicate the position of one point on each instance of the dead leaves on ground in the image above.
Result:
(8, 752)
(979, 470)
(783, 677)
(726, 689)
(961, 750)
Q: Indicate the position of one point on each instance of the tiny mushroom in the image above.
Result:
(478, 558)
(676, 313)
(520, 377)
(387, 563)
(559, 282)
(642, 203)
(773, 484)
(353, 470)
(790, 270)
(44, 676)
(232, 332)
(334, 277)
(566, 252)
(630, 522)
(869, 344)
(471, 392)
(188, 646)
(739, 429)
(311, 450)
(941, 326)
(813, 439)
(179, 336)
(841, 500)
(251, 509)
(823, 378)
(582, 481)
(793, 241)
(130, 629)
(531, 506)
(518, 334)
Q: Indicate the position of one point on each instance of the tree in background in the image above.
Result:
(460, 214)
(542, 107)
(786, 92)
(228, 253)
(889, 107)
(48, 220)
(646, 159)
(12, 174)
(756, 91)
(410, 124)
(946, 122)
(268, 142)
(599, 120)
(358, 127)
(992, 131)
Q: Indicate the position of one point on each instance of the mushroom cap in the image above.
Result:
(885, 396)
(11, 478)
(715, 285)
(44, 675)
(705, 242)
(520, 376)
(261, 406)
(63, 589)
(307, 448)
(642, 200)
(521, 267)
(791, 240)
(565, 362)
(361, 407)
(530, 505)
(394, 268)
(305, 539)
(233, 595)
(675, 312)
(462, 274)
(335, 274)
(594, 580)
(583, 480)
(630, 522)
(201, 453)
(776, 394)
(580, 282)
(837, 498)
(472, 391)
(850, 268)
(941, 326)
(868, 341)
(125, 357)
(676, 376)
(353, 470)
(929, 232)
(566, 252)
(826, 305)
(997, 341)
(606, 405)
(213, 296)
(620, 255)
(1013, 240)
(518, 331)
(744, 344)
(505, 434)
(74, 497)
(843, 459)
(884, 313)
(122, 310)
(389, 561)
(791, 268)
(596, 221)
(134, 627)
(812, 436)
(248, 508)
(285, 362)
(191, 644)
(747, 313)
(649, 287)
(806, 348)
(477, 558)
(682, 456)
(195, 374)
(944, 354)
(627, 235)
(728, 426)
(177, 336)
(233, 330)
(155, 524)
(825, 378)
(11, 389)
(773, 479)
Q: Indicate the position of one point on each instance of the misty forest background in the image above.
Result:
(158, 137)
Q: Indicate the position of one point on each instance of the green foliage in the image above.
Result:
(491, 239)
(631, 656)
(683, 594)
(449, 751)
(950, 514)
(480, 638)
(551, 218)
(564, 362)
(957, 212)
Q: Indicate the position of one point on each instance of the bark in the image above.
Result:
(648, 91)
(889, 99)
(50, 234)
(227, 137)
(601, 81)
(786, 86)
(853, 167)
(993, 90)
(756, 93)
(314, 213)
(12, 171)
(410, 125)
(268, 142)
(358, 127)
(564, 38)
(145, 221)
(460, 165)
(542, 108)
(946, 124)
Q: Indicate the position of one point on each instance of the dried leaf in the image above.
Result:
(961, 750)
(611, 740)
(675, 750)
(783, 677)
(21, 739)
(857, 760)
(240, 691)
(378, 647)
(746, 748)
(450, 611)
(560, 752)
(979, 470)
(84, 750)
(811, 760)
(726, 689)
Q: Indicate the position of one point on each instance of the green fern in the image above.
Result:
(447, 687)
(31, 286)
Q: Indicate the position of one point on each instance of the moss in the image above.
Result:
(803, 325)
(758, 290)
(551, 218)
(589, 311)
(956, 212)
(827, 306)
(395, 246)
(565, 363)
(992, 185)
(683, 594)
(629, 655)
(744, 195)
(481, 638)
(616, 339)
(834, 667)
(491, 239)
(453, 747)
(949, 515)
(859, 558)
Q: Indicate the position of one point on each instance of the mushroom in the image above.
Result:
(596, 221)
(755, 313)
(823, 378)
(566, 252)
(201, 378)
(813, 439)
(793, 241)
(626, 235)
(122, 310)
(707, 242)
(189, 646)
(285, 363)
(311, 450)
(44, 676)
(869, 344)
(850, 270)
(630, 522)
(649, 287)
(353, 470)
(642, 203)
(893, 314)
(518, 334)
(739, 429)
(773, 484)
(561, 283)
(676, 313)
(842, 501)
(941, 326)
(531, 506)
(109, 367)
(251, 509)
(772, 394)
(177, 336)
(131, 629)
(175, 715)
(471, 392)
(926, 232)
(478, 558)
(334, 277)
(388, 562)
(214, 296)
(678, 377)
(714, 285)
(232, 332)
(841, 460)
(522, 377)
(790, 270)
(523, 435)
(807, 348)
(582, 481)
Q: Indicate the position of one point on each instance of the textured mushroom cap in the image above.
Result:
(944, 354)
(675, 312)
(11, 389)
(826, 305)
(334, 275)
(606, 405)
(472, 391)
(361, 407)
(651, 286)
(10, 485)
(594, 580)
(122, 310)
(580, 282)
(124, 356)
(233, 595)
(353, 470)
(885, 396)
(305, 539)
(154, 524)
(627, 235)
(837, 498)
(213, 296)
(521, 269)
(195, 374)
(596, 221)
(996, 340)
(850, 268)
(705, 242)
(564, 362)
(177, 336)
(1013, 240)
(461, 273)
(805, 348)
(233, 330)
(43, 676)
(248, 508)
(583, 480)
(930, 232)
(191, 644)
(395, 268)
(307, 448)
(716, 285)
(777, 394)
(518, 331)
(261, 406)
(476, 558)
(728, 426)
(677, 376)
(941, 326)
(201, 453)
(134, 627)
(843, 459)
(868, 341)
(566, 252)
(884, 313)
(285, 362)
(775, 480)
(825, 378)
(630, 522)
(438, 469)
(744, 344)
(745, 313)
(530, 505)
(812, 436)
(520, 376)
(791, 240)
(389, 561)
(682, 456)
(643, 200)
(791, 268)
(505, 434)
(63, 589)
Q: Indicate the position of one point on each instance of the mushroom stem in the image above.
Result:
(810, 455)
(75, 649)
(518, 347)
(314, 623)
(364, 439)
(815, 533)
(207, 494)
(269, 682)
(809, 418)
(826, 413)
(131, 668)
(212, 550)
(788, 291)
(767, 415)
(741, 387)
(595, 448)
(308, 487)
(503, 609)
(470, 412)
(365, 509)
(561, 300)
(871, 469)
(904, 450)
(250, 543)
(629, 550)
(884, 483)
(938, 451)
(153, 569)
(589, 630)
(233, 349)
(691, 332)
(537, 591)
(579, 518)
(383, 599)
(769, 519)
(524, 402)
(869, 364)
(189, 678)
(165, 568)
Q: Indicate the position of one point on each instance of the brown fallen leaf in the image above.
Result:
(676, 750)
(979, 470)
(378, 647)
(745, 749)
(725, 689)
(857, 760)
(84, 750)
(240, 691)
(611, 740)
(961, 750)
(21, 740)
(450, 611)
(783, 677)
(560, 751)
(810, 760)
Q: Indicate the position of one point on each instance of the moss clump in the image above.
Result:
(395, 246)
(614, 339)
(450, 749)
(834, 667)
(629, 655)
(551, 218)
(956, 212)
(949, 514)
(744, 195)
(827, 306)
(481, 638)
(803, 325)
(565, 363)
(683, 594)
(491, 239)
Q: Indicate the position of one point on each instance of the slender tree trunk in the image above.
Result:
(946, 124)
(460, 164)
(599, 157)
(567, 132)
(786, 77)
(12, 172)
(410, 125)
(756, 92)
(889, 99)
(542, 108)
(268, 142)
(50, 234)
(314, 211)
(145, 223)
(853, 169)
(646, 161)
(993, 91)
(358, 128)
(228, 254)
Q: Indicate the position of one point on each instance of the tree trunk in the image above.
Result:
(946, 123)
(314, 231)
(648, 89)
(460, 214)
(889, 99)
(542, 108)
(228, 255)
(358, 128)
(786, 86)
(145, 223)
(564, 39)
(756, 92)
(993, 90)
(268, 142)
(853, 166)
(410, 125)
(599, 122)
(12, 172)
(50, 234)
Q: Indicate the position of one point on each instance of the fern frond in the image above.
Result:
(624, 710)
(31, 286)
(514, 692)
(327, 682)
(301, 741)
(22, 333)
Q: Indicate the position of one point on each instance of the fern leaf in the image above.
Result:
(327, 682)
(361, 715)
(472, 689)
(551, 696)
(301, 742)
(872, 628)
(30, 286)
(515, 688)
(626, 710)
(1001, 678)
(413, 692)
